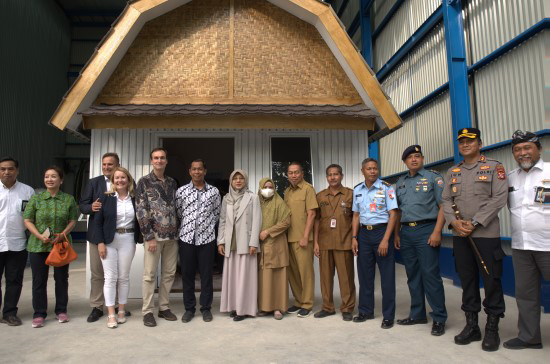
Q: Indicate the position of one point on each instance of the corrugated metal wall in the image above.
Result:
(510, 92)
(34, 62)
(429, 126)
(404, 23)
(252, 150)
(350, 12)
(491, 23)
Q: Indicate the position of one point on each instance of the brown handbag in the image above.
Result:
(62, 253)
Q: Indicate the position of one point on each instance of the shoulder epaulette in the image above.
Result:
(435, 172)
(357, 185)
(386, 183)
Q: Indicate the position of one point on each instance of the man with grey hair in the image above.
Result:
(529, 204)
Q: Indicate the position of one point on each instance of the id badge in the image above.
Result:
(333, 223)
(542, 195)
(372, 207)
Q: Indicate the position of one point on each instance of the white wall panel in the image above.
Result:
(509, 93)
(408, 18)
(381, 9)
(392, 146)
(398, 86)
(491, 23)
(434, 129)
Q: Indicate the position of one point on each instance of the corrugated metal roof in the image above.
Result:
(359, 110)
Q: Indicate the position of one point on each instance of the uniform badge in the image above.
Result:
(455, 189)
(440, 181)
(454, 180)
(380, 207)
(483, 178)
(482, 159)
(501, 173)
(425, 188)
(391, 193)
(464, 131)
(484, 167)
(456, 170)
(417, 188)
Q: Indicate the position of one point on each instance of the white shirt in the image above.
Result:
(530, 219)
(12, 203)
(125, 214)
(108, 182)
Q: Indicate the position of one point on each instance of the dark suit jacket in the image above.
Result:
(95, 189)
(105, 221)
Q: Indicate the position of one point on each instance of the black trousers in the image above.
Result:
(193, 258)
(469, 269)
(40, 285)
(12, 266)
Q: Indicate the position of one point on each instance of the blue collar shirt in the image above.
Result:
(373, 204)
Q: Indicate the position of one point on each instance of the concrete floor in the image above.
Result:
(259, 340)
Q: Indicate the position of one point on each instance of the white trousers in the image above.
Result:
(116, 268)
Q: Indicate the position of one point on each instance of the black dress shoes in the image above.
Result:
(95, 315)
(347, 316)
(239, 317)
(409, 321)
(187, 316)
(207, 316)
(438, 328)
(232, 314)
(362, 317)
(323, 313)
(518, 344)
(387, 324)
(11, 321)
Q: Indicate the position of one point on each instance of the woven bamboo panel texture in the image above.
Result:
(280, 55)
(186, 55)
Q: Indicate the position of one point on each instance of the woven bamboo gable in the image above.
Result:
(229, 51)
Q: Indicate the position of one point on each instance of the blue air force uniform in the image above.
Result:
(373, 205)
(419, 197)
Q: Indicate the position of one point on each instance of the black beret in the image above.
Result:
(410, 150)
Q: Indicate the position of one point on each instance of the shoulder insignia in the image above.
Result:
(455, 170)
(357, 185)
(501, 173)
(435, 172)
(386, 183)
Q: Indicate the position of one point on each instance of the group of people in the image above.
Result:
(269, 243)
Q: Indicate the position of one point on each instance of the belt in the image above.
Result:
(419, 222)
(124, 231)
(374, 227)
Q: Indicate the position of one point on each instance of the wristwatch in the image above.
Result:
(475, 223)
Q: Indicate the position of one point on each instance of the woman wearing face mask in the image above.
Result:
(239, 229)
(272, 276)
(49, 216)
(117, 232)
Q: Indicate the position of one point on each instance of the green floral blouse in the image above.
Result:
(47, 211)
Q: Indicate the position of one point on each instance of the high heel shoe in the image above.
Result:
(121, 318)
(111, 324)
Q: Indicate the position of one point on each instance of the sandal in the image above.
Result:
(112, 324)
(121, 318)
(278, 315)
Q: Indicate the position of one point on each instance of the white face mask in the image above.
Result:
(267, 192)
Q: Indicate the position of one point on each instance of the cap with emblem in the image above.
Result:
(410, 150)
(471, 133)
(525, 137)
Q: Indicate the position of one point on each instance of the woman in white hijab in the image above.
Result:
(238, 241)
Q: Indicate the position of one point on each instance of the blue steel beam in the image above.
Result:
(457, 69)
(342, 8)
(416, 38)
(387, 18)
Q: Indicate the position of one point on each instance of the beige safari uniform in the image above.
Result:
(335, 247)
(300, 273)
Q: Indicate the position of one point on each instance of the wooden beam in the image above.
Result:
(228, 122)
(234, 100)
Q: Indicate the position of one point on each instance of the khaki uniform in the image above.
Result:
(335, 247)
(300, 199)
(479, 190)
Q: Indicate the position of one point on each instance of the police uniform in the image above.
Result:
(419, 197)
(479, 191)
(334, 239)
(373, 205)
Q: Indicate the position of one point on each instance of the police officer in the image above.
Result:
(332, 243)
(478, 188)
(374, 217)
(419, 198)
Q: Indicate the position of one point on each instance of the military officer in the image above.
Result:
(478, 188)
(332, 244)
(374, 217)
(418, 237)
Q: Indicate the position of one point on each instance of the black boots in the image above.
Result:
(471, 331)
(491, 341)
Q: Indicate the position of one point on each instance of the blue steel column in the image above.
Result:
(458, 69)
(366, 51)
